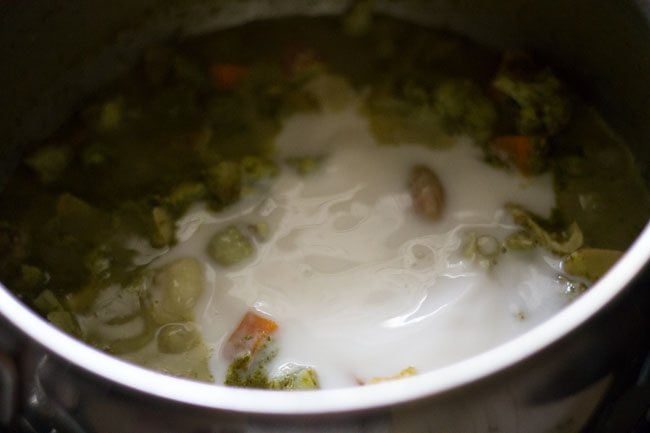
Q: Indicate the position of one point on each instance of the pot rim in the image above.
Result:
(334, 400)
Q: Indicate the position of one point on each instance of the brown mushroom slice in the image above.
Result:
(426, 192)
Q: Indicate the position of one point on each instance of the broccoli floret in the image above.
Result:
(251, 372)
(464, 109)
(544, 108)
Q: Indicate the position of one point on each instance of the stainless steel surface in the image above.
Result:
(60, 51)
(8, 389)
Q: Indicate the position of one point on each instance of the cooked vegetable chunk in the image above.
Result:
(464, 109)
(427, 193)
(230, 246)
(297, 378)
(590, 263)
(251, 334)
(185, 194)
(227, 76)
(527, 154)
(163, 227)
(250, 372)
(544, 107)
(559, 242)
(224, 182)
(175, 289)
(178, 337)
(483, 249)
(97, 220)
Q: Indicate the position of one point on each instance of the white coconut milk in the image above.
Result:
(359, 284)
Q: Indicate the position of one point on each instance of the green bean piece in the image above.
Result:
(590, 263)
(230, 246)
(178, 337)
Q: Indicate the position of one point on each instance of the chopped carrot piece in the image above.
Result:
(298, 61)
(518, 149)
(249, 336)
(227, 76)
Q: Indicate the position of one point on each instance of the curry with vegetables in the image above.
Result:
(91, 212)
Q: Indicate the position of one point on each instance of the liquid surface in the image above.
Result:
(359, 284)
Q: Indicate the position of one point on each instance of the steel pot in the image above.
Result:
(552, 379)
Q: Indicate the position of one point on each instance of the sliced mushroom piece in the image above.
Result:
(426, 192)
